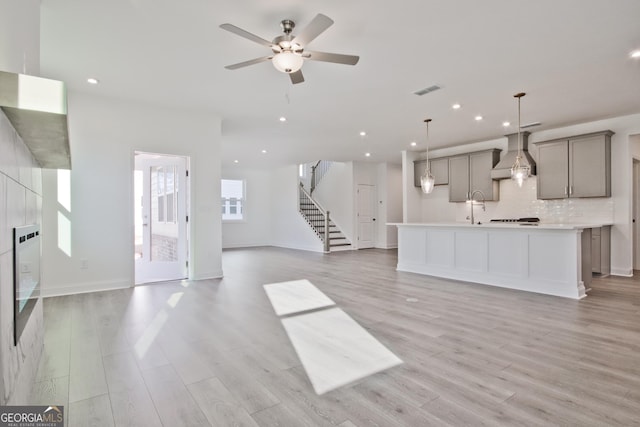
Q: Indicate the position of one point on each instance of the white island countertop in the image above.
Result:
(553, 259)
(520, 225)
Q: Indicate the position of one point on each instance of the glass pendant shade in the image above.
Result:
(287, 62)
(427, 182)
(519, 171)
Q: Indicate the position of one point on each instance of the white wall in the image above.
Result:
(20, 36)
(255, 229)
(515, 202)
(288, 227)
(104, 134)
(411, 195)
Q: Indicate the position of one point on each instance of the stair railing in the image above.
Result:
(326, 238)
(318, 171)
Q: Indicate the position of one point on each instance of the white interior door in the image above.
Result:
(160, 192)
(636, 214)
(366, 203)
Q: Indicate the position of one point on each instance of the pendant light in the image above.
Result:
(427, 181)
(519, 171)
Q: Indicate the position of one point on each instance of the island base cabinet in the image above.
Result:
(547, 261)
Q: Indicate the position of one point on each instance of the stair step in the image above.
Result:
(333, 245)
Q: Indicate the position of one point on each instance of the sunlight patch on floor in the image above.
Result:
(332, 347)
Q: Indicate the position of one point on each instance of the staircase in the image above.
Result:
(319, 220)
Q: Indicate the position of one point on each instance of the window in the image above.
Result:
(164, 194)
(233, 195)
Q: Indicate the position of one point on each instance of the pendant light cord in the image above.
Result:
(427, 122)
(519, 96)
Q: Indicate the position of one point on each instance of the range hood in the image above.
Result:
(37, 109)
(503, 169)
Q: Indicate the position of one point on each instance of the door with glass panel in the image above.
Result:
(160, 202)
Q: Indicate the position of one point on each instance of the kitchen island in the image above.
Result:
(553, 259)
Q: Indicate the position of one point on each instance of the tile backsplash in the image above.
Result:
(516, 202)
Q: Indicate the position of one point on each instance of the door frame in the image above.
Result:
(187, 210)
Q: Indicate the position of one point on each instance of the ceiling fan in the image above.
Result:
(289, 50)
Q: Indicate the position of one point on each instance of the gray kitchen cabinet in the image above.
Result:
(459, 178)
(601, 250)
(553, 170)
(470, 172)
(439, 170)
(578, 166)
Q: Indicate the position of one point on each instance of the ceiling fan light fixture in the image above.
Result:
(287, 62)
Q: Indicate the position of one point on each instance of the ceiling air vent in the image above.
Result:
(427, 90)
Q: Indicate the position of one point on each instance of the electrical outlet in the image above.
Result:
(84, 264)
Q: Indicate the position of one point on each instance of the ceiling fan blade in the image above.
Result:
(331, 57)
(296, 77)
(247, 35)
(247, 63)
(316, 27)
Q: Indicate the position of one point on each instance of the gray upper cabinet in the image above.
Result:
(578, 166)
(439, 170)
(458, 178)
(553, 170)
(470, 172)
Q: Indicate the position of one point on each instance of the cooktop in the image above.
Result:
(528, 219)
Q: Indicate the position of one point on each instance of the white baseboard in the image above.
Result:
(387, 247)
(245, 245)
(300, 248)
(81, 288)
(625, 272)
(210, 275)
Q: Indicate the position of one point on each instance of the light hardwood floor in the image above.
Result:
(213, 352)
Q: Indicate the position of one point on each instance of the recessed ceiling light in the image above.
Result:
(283, 119)
(456, 106)
(506, 124)
(264, 151)
(478, 118)
(93, 81)
(363, 133)
(235, 161)
(413, 144)
(367, 154)
(635, 54)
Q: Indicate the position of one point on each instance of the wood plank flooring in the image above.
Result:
(214, 352)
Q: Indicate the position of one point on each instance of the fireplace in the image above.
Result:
(26, 275)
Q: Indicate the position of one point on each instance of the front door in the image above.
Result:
(160, 184)
(366, 202)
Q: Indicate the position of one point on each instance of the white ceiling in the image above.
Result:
(570, 56)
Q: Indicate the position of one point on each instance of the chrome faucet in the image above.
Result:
(471, 199)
